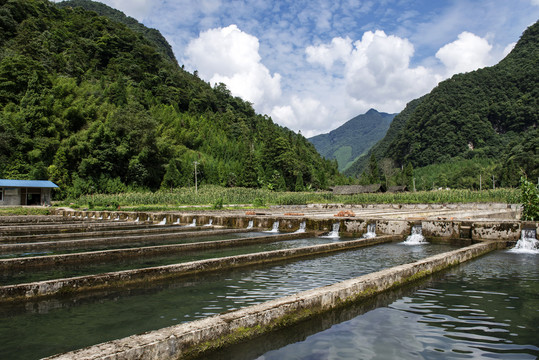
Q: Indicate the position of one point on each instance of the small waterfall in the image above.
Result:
(117, 218)
(108, 217)
(417, 237)
(527, 244)
(250, 226)
(210, 223)
(177, 222)
(301, 229)
(371, 231)
(163, 222)
(100, 218)
(334, 233)
(137, 219)
(274, 229)
(193, 224)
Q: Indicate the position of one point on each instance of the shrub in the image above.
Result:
(529, 197)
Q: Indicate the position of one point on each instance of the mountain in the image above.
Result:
(490, 113)
(96, 102)
(353, 138)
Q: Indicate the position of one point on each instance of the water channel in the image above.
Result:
(33, 330)
(486, 308)
(128, 263)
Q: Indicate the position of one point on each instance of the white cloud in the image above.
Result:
(469, 52)
(306, 114)
(376, 70)
(231, 56)
(509, 47)
(327, 55)
(535, 2)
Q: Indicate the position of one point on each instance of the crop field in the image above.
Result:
(217, 197)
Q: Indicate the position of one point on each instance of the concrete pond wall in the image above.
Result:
(447, 228)
(195, 337)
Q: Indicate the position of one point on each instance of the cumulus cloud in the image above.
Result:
(231, 56)
(327, 55)
(469, 52)
(376, 72)
(302, 113)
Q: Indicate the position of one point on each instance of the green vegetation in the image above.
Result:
(98, 104)
(529, 197)
(217, 197)
(346, 143)
(7, 211)
(486, 119)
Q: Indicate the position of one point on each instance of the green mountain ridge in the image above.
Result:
(96, 105)
(490, 113)
(352, 139)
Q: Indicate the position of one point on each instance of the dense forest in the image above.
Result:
(353, 138)
(474, 126)
(97, 103)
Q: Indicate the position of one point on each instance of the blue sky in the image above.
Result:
(312, 65)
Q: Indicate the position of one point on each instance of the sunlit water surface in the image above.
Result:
(487, 308)
(34, 330)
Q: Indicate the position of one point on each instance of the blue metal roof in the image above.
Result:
(27, 183)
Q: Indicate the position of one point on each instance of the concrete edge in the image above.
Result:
(35, 262)
(80, 284)
(210, 333)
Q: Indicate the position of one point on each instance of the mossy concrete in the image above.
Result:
(195, 337)
(132, 277)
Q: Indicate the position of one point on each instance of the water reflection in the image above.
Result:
(486, 308)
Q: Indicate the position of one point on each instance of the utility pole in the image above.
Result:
(493, 183)
(196, 182)
(414, 184)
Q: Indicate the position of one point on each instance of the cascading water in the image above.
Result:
(275, 228)
(163, 222)
(250, 225)
(193, 224)
(177, 222)
(371, 231)
(527, 243)
(137, 219)
(301, 229)
(334, 233)
(416, 238)
(210, 223)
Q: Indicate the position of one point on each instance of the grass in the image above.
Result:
(241, 198)
(7, 211)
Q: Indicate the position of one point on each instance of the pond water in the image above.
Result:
(487, 308)
(129, 263)
(34, 330)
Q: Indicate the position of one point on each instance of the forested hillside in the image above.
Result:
(486, 119)
(96, 105)
(346, 143)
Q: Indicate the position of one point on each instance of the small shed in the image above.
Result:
(356, 189)
(25, 192)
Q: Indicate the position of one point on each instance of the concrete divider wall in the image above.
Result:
(352, 226)
(210, 333)
(129, 277)
(36, 262)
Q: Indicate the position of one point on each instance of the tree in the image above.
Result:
(299, 182)
(373, 172)
(172, 176)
